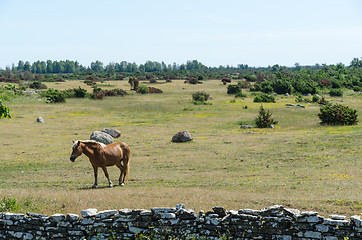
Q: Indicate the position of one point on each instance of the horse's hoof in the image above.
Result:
(110, 185)
(122, 184)
(94, 186)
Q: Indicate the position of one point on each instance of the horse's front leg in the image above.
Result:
(107, 176)
(95, 169)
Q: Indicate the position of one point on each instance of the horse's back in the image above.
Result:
(125, 150)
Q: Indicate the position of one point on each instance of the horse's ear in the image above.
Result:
(73, 141)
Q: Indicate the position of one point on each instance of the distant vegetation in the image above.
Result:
(276, 78)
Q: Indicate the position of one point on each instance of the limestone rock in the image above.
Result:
(101, 137)
(40, 120)
(182, 136)
(113, 132)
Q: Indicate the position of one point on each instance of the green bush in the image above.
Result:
(240, 94)
(337, 115)
(4, 110)
(233, 89)
(336, 92)
(143, 89)
(264, 98)
(264, 119)
(54, 96)
(200, 96)
(80, 92)
(357, 89)
(315, 98)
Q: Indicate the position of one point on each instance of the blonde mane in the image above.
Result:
(88, 141)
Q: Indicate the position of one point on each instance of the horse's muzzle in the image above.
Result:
(72, 158)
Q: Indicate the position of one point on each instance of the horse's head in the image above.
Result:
(77, 150)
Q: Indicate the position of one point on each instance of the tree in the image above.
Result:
(49, 66)
(97, 66)
(4, 110)
(110, 69)
(356, 63)
(27, 66)
(20, 65)
(264, 119)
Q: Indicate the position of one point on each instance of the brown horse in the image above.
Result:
(101, 155)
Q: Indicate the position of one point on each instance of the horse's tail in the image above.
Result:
(126, 155)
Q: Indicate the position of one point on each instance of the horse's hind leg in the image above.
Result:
(95, 169)
(121, 168)
(107, 176)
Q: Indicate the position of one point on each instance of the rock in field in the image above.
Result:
(182, 136)
(113, 132)
(101, 137)
(40, 120)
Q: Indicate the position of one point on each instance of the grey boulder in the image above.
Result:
(113, 132)
(182, 136)
(101, 137)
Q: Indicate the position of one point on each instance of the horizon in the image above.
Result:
(259, 33)
(184, 63)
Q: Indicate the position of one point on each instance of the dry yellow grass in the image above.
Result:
(299, 164)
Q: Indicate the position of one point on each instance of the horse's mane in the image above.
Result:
(91, 142)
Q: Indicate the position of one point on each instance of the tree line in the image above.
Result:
(68, 66)
(276, 78)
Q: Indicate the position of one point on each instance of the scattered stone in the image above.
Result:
(182, 136)
(271, 126)
(246, 127)
(300, 105)
(113, 132)
(289, 105)
(101, 137)
(40, 120)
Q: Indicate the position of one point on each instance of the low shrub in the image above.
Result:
(264, 98)
(357, 89)
(264, 120)
(337, 115)
(97, 95)
(315, 98)
(54, 96)
(4, 110)
(336, 92)
(115, 92)
(143, 89)
(233, 89)
(240, 94)
(80, 92)
(200, 96)
(38, 85)
(154, 90)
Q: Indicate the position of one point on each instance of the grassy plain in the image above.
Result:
(299, 164)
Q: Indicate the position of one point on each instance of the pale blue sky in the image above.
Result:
(228, 32)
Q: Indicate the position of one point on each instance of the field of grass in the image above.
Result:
(299, 164)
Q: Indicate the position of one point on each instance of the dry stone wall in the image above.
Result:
(274, 222)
